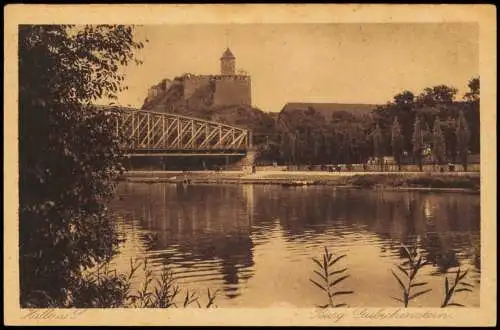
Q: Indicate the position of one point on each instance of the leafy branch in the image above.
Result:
(451, 290)
(328, 280)
(409, 269)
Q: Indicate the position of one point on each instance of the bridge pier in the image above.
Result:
(163, 163)
(248, 161)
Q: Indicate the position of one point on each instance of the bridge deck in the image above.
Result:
(184, 154)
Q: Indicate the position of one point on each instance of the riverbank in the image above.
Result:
(449, 181)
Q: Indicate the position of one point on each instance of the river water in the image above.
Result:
(254, 243)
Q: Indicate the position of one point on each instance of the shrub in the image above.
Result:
(105, 288)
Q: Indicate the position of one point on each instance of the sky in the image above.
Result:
(334, 62)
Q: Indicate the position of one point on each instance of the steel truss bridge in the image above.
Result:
(167, 134)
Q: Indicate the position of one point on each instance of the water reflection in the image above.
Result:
(188, 224)
(441, 220)
(210, 233)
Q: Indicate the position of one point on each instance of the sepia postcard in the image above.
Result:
(253, 164)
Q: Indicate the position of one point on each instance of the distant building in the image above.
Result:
(327, 109)
(228, 88)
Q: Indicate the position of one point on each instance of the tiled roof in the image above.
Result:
(328, 108)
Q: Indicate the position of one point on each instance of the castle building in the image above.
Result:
(226, 88)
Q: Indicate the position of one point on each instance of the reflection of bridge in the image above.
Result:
(167, 134)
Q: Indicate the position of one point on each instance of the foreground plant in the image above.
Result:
(459, 285)
(105, 288)
(164, 292)
(328, 280)
(101, 287)
(409, 269)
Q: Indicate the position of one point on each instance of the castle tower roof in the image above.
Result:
(227, 54)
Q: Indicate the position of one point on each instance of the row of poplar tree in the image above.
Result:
(433, 125)
(427, 143)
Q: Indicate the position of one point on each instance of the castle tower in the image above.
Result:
(227, 63)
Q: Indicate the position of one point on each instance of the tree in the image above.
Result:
(474, 90)
(402, 107)
(418, 142)
(404, 98)
(285, 147)
(378, 144)
(69, 153)
(438, 142)
(463, 139)
(448, 127)
(472, 115)
(347, 137)
(437, 94)
(397, 142)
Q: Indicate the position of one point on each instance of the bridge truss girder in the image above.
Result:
(154, 131)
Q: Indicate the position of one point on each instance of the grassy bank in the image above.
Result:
(388, 180)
